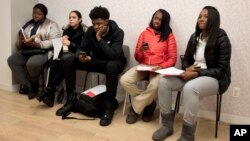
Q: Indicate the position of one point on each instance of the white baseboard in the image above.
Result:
(224, 117)
(11, 88)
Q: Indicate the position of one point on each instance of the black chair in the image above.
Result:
(218, 109)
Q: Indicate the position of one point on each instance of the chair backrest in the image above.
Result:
(126, 52)
(182, 59)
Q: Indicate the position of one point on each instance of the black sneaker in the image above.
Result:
(148, 112)
(132, 116)
(60, 96)
(31, 92)
(22, 89)
(42, 95)
(45, 93)
(65, 109)
(32, 95)
(49, 100)
(107, 117)
(108, 113)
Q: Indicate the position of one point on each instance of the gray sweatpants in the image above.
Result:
(192, 90)
(27, 68)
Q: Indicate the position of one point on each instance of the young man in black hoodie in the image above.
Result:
(102, 44)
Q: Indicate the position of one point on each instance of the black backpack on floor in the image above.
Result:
(89, 106)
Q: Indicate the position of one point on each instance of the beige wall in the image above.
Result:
(5, 75)
(13, 11)
(134, 16)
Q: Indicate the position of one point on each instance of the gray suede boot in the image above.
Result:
(188, 131)
(166, 129)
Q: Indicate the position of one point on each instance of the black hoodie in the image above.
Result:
(108, 48)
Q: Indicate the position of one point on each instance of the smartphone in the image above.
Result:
(83, 53)
(144, 44)
(197, 67)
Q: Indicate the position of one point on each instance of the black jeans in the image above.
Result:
(56, 75)
(111, 68)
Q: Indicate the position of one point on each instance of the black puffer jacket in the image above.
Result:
(75, 36)
(217, 60)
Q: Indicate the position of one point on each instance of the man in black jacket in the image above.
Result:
(102, 47)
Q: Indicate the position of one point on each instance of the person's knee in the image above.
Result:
(153, 86)
(10, 61)
(165, 83)
(13, 61)
(33, 65)
(188, 88)
(113, 68)
(189, 93)
(16, 60)
(123, 80)
(69, 61)
(69, 56)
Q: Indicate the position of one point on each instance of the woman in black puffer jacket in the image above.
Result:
(207, 72)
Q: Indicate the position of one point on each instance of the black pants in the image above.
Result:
(111, 68)
(56, 75)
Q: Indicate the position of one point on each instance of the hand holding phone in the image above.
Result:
(144, 46)
(83, 54)
(194, 67)
(83, 57)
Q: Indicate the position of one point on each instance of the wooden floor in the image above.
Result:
(28, 120)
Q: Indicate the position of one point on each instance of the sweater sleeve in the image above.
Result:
(54, 32)
(188, 59)
(222, 62)
(171, 52)
(138, 53)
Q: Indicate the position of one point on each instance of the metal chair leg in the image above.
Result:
(177, 102)
(125, 104)
(218, 109)
(42, 75)
(85, 81)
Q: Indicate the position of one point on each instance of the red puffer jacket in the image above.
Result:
(160, 53)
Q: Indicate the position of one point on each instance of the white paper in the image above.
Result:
(57, 45)
(171, 71)
(143, 67)
(36, 37)
(96, 90)
(21, 28)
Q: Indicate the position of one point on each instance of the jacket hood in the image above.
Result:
(84, 27)
(113, 25)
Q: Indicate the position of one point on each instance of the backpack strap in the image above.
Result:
(66, 116)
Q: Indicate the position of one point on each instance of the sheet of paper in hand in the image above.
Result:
(171, 71)
(57, 45)
(143, 67)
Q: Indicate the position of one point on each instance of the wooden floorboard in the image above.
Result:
(28, 120)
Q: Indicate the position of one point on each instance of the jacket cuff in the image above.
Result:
(72, 45)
